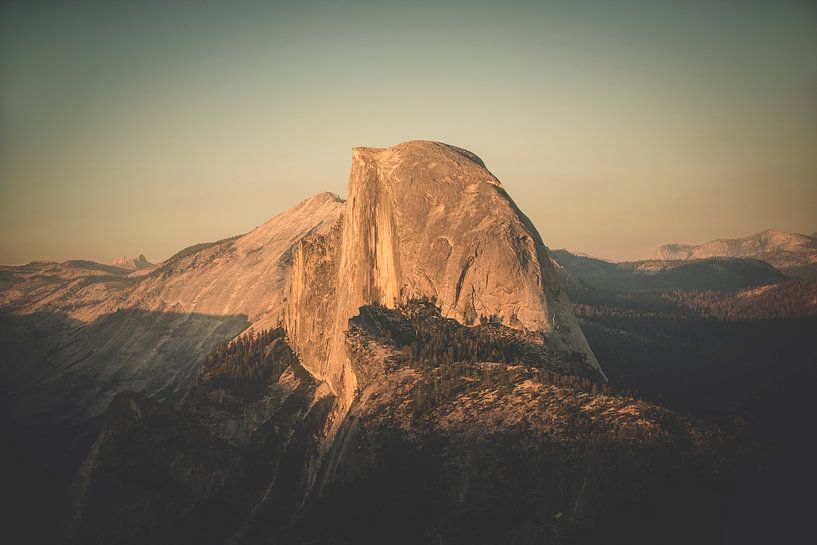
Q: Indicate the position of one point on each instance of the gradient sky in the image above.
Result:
(137, 127)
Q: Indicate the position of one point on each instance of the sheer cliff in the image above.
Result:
(424, 219)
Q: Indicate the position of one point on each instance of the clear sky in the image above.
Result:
(141, 127)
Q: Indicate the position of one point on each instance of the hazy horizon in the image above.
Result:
(141, 128)
(579, 251)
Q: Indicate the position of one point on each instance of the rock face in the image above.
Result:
(424, 219)
(792, 253)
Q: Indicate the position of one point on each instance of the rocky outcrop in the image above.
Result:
(490, 454)
(424, 219)
(312, 302)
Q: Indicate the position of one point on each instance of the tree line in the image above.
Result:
(248, 363)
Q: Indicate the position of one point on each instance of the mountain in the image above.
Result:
(75, 334)
(792, 253)
(718, 274)
(133, 263)
(429, 451)
(404, 366)
(424, 220)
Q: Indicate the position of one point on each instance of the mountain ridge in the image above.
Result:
(793, 253)
(76, 334)
(714, 273)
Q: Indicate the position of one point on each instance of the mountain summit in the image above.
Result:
(134, 263)
(424, 220)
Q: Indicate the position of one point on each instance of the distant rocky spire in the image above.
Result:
(134, 263)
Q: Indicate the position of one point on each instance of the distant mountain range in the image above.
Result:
(792, 253)
(724, 265)
(718, 274)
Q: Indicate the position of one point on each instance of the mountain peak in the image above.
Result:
(321, 198)
(418, 149)
(134, 263)
(309, 215)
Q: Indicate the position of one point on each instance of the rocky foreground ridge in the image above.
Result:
(448, 441)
